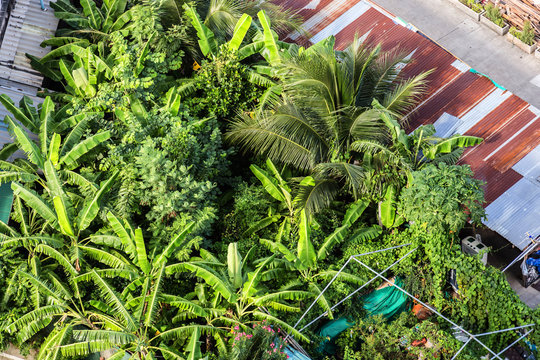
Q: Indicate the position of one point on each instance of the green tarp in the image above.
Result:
(388, 302)
(6, 200)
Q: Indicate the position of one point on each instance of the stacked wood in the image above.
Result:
(516, 12)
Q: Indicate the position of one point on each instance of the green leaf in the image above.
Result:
(193, 348)
(270, 39)
(306, 251)
(448, 145)
(207, 42)
(240, 30)
(91, 11)
(26, 144)
(19, 115)
(142, 259)
(91, 208)
(153, 302)
(174, 244)
(261, 224)
(54, 148)
(70, 159)
(270, 184)
(142, 57)
(331, 240)
(250, 49)
(63, 218)
(234, 265)
(69, 78)
(172, 101)
(82, 82)
(354, 212)
(35, 202)
(388, 207)
(123, 234)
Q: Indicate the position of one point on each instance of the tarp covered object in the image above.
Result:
(388, 302)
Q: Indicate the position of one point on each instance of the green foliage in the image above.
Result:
(374, 338)
(222, 87)
(494, 14)
(115, 205)
(170, 166)
(262, 342)
(526, 35)
(443, 197)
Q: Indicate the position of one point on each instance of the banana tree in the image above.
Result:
(277, 187)
(47, 123)
(306, 260)
(111, 16)
(66, 214)
(241, 288)
(62, 305)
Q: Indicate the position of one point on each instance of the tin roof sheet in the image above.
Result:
(510, 127)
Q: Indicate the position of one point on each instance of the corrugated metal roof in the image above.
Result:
(515, 213)
(27, 27)
(510, 127)
(529, 166)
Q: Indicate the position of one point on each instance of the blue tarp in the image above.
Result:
(295, 355)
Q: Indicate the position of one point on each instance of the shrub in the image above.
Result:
(443, 197)
(474, 5)
(263, 343)
(527, 35)
(493, 13)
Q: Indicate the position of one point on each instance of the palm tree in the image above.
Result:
(322, 110)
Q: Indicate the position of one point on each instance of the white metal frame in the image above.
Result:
(379, 275)
(528, 249)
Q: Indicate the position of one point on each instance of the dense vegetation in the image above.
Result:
(195, 182)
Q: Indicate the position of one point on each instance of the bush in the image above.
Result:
(493, 13)
(527, 35)
(443, 198)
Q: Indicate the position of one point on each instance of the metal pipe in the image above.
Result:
(461, 348)
(335, 277)
(429, 307)
(322, 292)
(355, 291)
(378, 251)
(515, 342)
(500, 331)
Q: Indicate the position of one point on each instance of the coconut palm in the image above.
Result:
(321, 112)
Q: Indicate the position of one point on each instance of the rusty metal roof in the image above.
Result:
(458, 101)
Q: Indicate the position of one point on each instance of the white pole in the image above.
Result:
(355, 291)
(337, 274)
(461, 348)
(515, 342)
